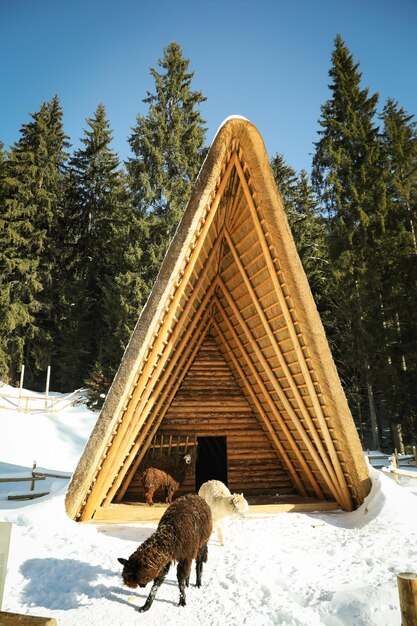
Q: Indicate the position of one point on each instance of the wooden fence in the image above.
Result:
(39, 403)
(379, 459)
(32, 403)
(37, 474)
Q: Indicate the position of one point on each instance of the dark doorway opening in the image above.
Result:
(211, 463)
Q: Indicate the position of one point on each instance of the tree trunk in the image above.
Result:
(372, 411)
(397, 436)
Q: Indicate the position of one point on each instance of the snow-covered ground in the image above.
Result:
(293, 569)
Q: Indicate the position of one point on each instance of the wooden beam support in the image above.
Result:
(280, 420)
(117, 447)
(346, 500)
(115, 468)
(282, 454)
(134, 513)
(281, 359)
(180, 286)
(161, 409)
(321, 466)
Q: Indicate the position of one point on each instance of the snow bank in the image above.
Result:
(322, 569)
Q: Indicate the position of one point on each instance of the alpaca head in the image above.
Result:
(129, 573)
(240, 505)
(141, 567)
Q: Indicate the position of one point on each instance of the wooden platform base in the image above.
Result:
(16, 619)
(258, 505)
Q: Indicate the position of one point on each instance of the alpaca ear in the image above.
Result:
(122, 561)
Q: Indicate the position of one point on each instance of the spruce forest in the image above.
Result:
(82, 237)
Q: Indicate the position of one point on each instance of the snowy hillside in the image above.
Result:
(329, 569)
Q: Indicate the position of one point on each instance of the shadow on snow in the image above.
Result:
(65, 584)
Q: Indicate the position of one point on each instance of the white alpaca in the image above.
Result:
(222, 503)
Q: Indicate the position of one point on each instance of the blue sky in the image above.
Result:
(267, 60)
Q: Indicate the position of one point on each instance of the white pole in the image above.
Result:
(48, 376)
(22, 375)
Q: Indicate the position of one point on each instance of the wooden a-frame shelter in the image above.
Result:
(229, 349)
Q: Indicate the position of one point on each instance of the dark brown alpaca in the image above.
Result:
(154, 478)
(182, 535)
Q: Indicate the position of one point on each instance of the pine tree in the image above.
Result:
(398, 361)
(347, 178)
(55, 179)
(310, 234)
(306, 224)
(167, 145)
(5, 249)
(32, 185)
(101, 299)
(399, 145)
(286, 181)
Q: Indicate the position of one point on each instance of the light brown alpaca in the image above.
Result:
(154, 478)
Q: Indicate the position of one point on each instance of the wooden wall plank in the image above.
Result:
(220, 409)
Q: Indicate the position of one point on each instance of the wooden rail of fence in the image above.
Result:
(36, 474)
(39, 403)
(376, 458)
(396, 471)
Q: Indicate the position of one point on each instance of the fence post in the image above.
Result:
(48, 376)
(22, 375)
(407, 589)
(32, 482)
(396, 464)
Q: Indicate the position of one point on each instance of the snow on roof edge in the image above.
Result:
(226, 120)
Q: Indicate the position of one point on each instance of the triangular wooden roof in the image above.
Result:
(232, 272)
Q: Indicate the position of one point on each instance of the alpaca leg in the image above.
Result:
(170, 493)
(220, 533)
(149, 495)
(156, 584)
(183, 575)
(201, 558)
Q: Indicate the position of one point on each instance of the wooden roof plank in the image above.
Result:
(273, 407)
(323, 464)
(346, 498)
(152, 427)
(259, 410)
(116, 470)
